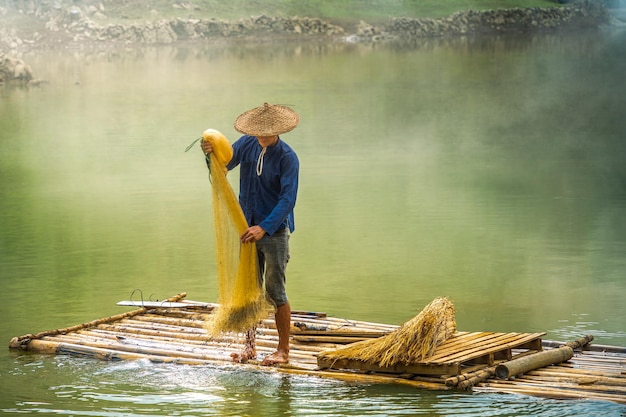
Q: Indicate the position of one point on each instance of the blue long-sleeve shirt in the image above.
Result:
(268, 199)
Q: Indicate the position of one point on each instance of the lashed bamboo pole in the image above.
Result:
(607, 348)
(541, 359)
(261, 331)
(171, 321)
(65, 344)
(468, 380)
(465, 381)
(152, 336)
(587, 384)
(155, 332)
(340, 323)
(548, 392)
(104, 354)
(343, 340)
(113, 355)
(154, 341)
(579, 343)
(307, 353)
(346, 323)
(559, 372)
(158, 351)
(581, 384)
(537, 360)
(525, 383)
(339, 333)
(180, 313)
(22, 342)
(181, 329)
(47, 346)
(364, 378)
(194, 322)
(174, 349)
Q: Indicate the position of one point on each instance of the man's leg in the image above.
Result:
(249, 348)
(275, 253)
(283, 325)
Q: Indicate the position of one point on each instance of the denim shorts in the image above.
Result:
(273, 253)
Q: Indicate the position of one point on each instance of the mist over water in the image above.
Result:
(490, 171)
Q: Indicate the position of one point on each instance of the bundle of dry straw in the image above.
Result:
(413, 342)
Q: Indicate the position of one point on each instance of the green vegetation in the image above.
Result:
(21, 17)
(333, 10)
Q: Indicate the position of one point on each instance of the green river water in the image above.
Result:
(491, 171)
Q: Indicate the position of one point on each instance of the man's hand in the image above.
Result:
(253, 234)
(206, 147)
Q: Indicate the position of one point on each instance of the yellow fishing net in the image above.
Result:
(242, 302)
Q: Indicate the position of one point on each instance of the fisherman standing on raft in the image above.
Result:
(267, 194)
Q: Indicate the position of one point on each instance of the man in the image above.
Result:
(267, 193)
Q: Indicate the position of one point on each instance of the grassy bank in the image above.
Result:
(23, 20)
(372, 11)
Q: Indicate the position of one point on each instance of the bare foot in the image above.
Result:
(249, 348)
(276, 358)
(245, 355)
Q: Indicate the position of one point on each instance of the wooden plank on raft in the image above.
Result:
(413, 369)
(460, 350)
(483, 347)
(460, 345)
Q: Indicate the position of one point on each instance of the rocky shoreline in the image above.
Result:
(73, 26)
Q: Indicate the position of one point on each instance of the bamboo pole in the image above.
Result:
(66, 344)
(108, 354)
(364, 378)
(147, 328)
(531, 362)
(180, 313)
(579, 343)
(562, 388)
(548, 392)
(606, 348)
(341, 323)
(329, 339)
(170, 321)
(339, 333)
(22, 342)
(465, 381)
(580, 384)
(560, 372)
(111, 355)
(47, 346)
(94, 337)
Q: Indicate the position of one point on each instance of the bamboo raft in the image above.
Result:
(173, 332)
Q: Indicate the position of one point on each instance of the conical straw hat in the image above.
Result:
(267, 120)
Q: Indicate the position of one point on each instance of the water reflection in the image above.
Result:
(141, 388)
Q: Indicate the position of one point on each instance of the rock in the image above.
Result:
(13, 69)
(585, 13)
